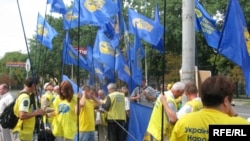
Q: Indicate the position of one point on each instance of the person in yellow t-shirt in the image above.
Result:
(216, 95)
(154, 126)
(23, 110)
(88, 103)
(64, 117)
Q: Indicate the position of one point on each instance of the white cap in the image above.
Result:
(45, 85)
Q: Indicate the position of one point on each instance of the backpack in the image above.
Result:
(8, 119)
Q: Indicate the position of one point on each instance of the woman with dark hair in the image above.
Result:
(64, 121)
(216, 96)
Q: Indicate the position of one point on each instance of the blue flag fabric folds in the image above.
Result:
(74, 85)
(148, 30)
(160, 45)
(136, 55)
(103, 50)
(138, 121)
(235, 40)
(45, 33)
(70, 55)
(206, 25)
(57, 6)
(97, 12)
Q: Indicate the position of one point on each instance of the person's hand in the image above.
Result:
(163, 98)
(40, 112)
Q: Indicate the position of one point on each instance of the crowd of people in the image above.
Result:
(108, 112)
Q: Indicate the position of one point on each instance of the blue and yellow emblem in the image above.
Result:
(94, 5)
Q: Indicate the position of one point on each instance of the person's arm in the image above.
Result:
(170, 113)
(26, 115)
(24, 110)
(107, 104)
(97, 101)
(149, 95)
(135, 95)
(184, 110)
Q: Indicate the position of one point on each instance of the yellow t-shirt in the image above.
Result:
(64, 121)
(195, 125)
(26, 127)
(87, 116)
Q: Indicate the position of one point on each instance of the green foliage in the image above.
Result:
(13, 76)
(48, 63)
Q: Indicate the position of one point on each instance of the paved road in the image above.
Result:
(243, 110)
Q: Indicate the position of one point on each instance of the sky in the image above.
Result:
(11, 31)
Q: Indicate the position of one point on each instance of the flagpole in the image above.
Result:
(163, 66)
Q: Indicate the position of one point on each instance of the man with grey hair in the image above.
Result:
(5, 99)
(154, 126)
(115, 107)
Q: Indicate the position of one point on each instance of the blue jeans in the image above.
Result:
(87, 136)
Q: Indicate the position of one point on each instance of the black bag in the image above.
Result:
(8, 119)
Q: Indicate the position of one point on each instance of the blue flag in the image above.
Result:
(71, 18)
(97, 12)
(122, 68)
(235, 40)
(103, 51)
(74, 85)
(136, 55)
(138, 121)
(148, 30)
(206, 25)
(45, 33)
(57, 6)
(160, 45)
(70, 55)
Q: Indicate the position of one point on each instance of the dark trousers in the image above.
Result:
(115, 130)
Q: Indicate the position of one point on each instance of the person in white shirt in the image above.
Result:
(5, 99)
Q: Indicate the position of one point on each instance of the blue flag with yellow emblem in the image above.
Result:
(148, 30)
(206, 25)
(235, 40)
(45, 33)
(103, 51)
(97, 12)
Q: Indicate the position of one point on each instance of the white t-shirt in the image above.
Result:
(127, 103)
(6, 99)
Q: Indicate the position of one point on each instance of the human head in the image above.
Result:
(217, 90)
(111, 87)
(30, 83)
(66, 90)
(4, 88)
(124, 90)
(89, 91)
(101, 94)
(143, 82)
(56, 89)
(178, 89)
(190, 90)
(48, 86)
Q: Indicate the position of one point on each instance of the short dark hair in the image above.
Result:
(191, 88)
(214, 90)
(29, 81)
